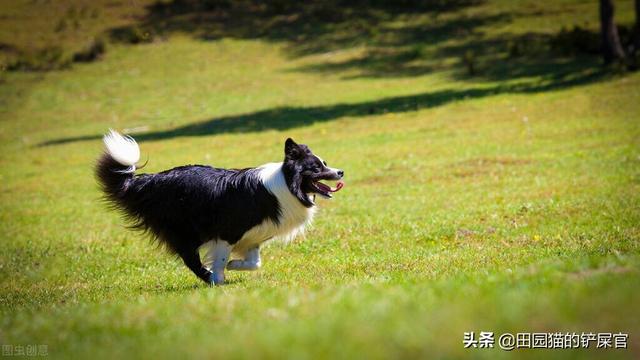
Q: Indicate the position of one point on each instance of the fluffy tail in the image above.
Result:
(115, 168)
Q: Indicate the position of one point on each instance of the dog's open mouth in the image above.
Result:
(326, 190)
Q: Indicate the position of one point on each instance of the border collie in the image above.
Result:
(227, 212)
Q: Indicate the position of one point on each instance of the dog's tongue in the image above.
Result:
(328, 188)
(339, 186)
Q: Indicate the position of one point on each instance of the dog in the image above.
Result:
(229, 213)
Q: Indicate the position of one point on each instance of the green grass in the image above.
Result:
(505, 202)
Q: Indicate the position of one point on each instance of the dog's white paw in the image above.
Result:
(243, 265)
(217, 278)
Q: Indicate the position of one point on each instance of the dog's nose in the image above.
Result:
(341, 173)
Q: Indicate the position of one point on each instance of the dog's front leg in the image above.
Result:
(219, 255)
(251, 261)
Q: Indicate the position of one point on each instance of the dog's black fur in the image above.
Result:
(189, 205)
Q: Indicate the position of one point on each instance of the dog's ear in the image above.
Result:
(291, 149)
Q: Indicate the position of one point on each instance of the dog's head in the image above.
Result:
(304, 172)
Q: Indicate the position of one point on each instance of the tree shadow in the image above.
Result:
(288, 117)
(475, 56)
(410, 50)
(403, 38)
(308, 27)
(391, 38)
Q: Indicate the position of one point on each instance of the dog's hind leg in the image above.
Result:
(192, 260)
(216, 259)
(250, 262)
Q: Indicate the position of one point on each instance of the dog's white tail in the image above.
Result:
(122, 149)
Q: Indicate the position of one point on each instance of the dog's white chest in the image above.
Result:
(287, 229)
(293, 215)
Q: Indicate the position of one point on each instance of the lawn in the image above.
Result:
(507, 200)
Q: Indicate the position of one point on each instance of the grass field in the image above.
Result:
(507, 201)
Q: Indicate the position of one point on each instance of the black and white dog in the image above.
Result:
(228, 212)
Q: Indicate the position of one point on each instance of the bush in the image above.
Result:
(92, 52)
(132, 35)
(54, 58)
(576, 41)
(49, 58)
(528, 45)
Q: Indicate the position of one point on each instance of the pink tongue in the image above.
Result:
(325, 187)
(339, 186)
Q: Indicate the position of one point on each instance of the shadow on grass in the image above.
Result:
(392, 38)
(288, 117)
(404, 38)
(474, 56)
(309, 27)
